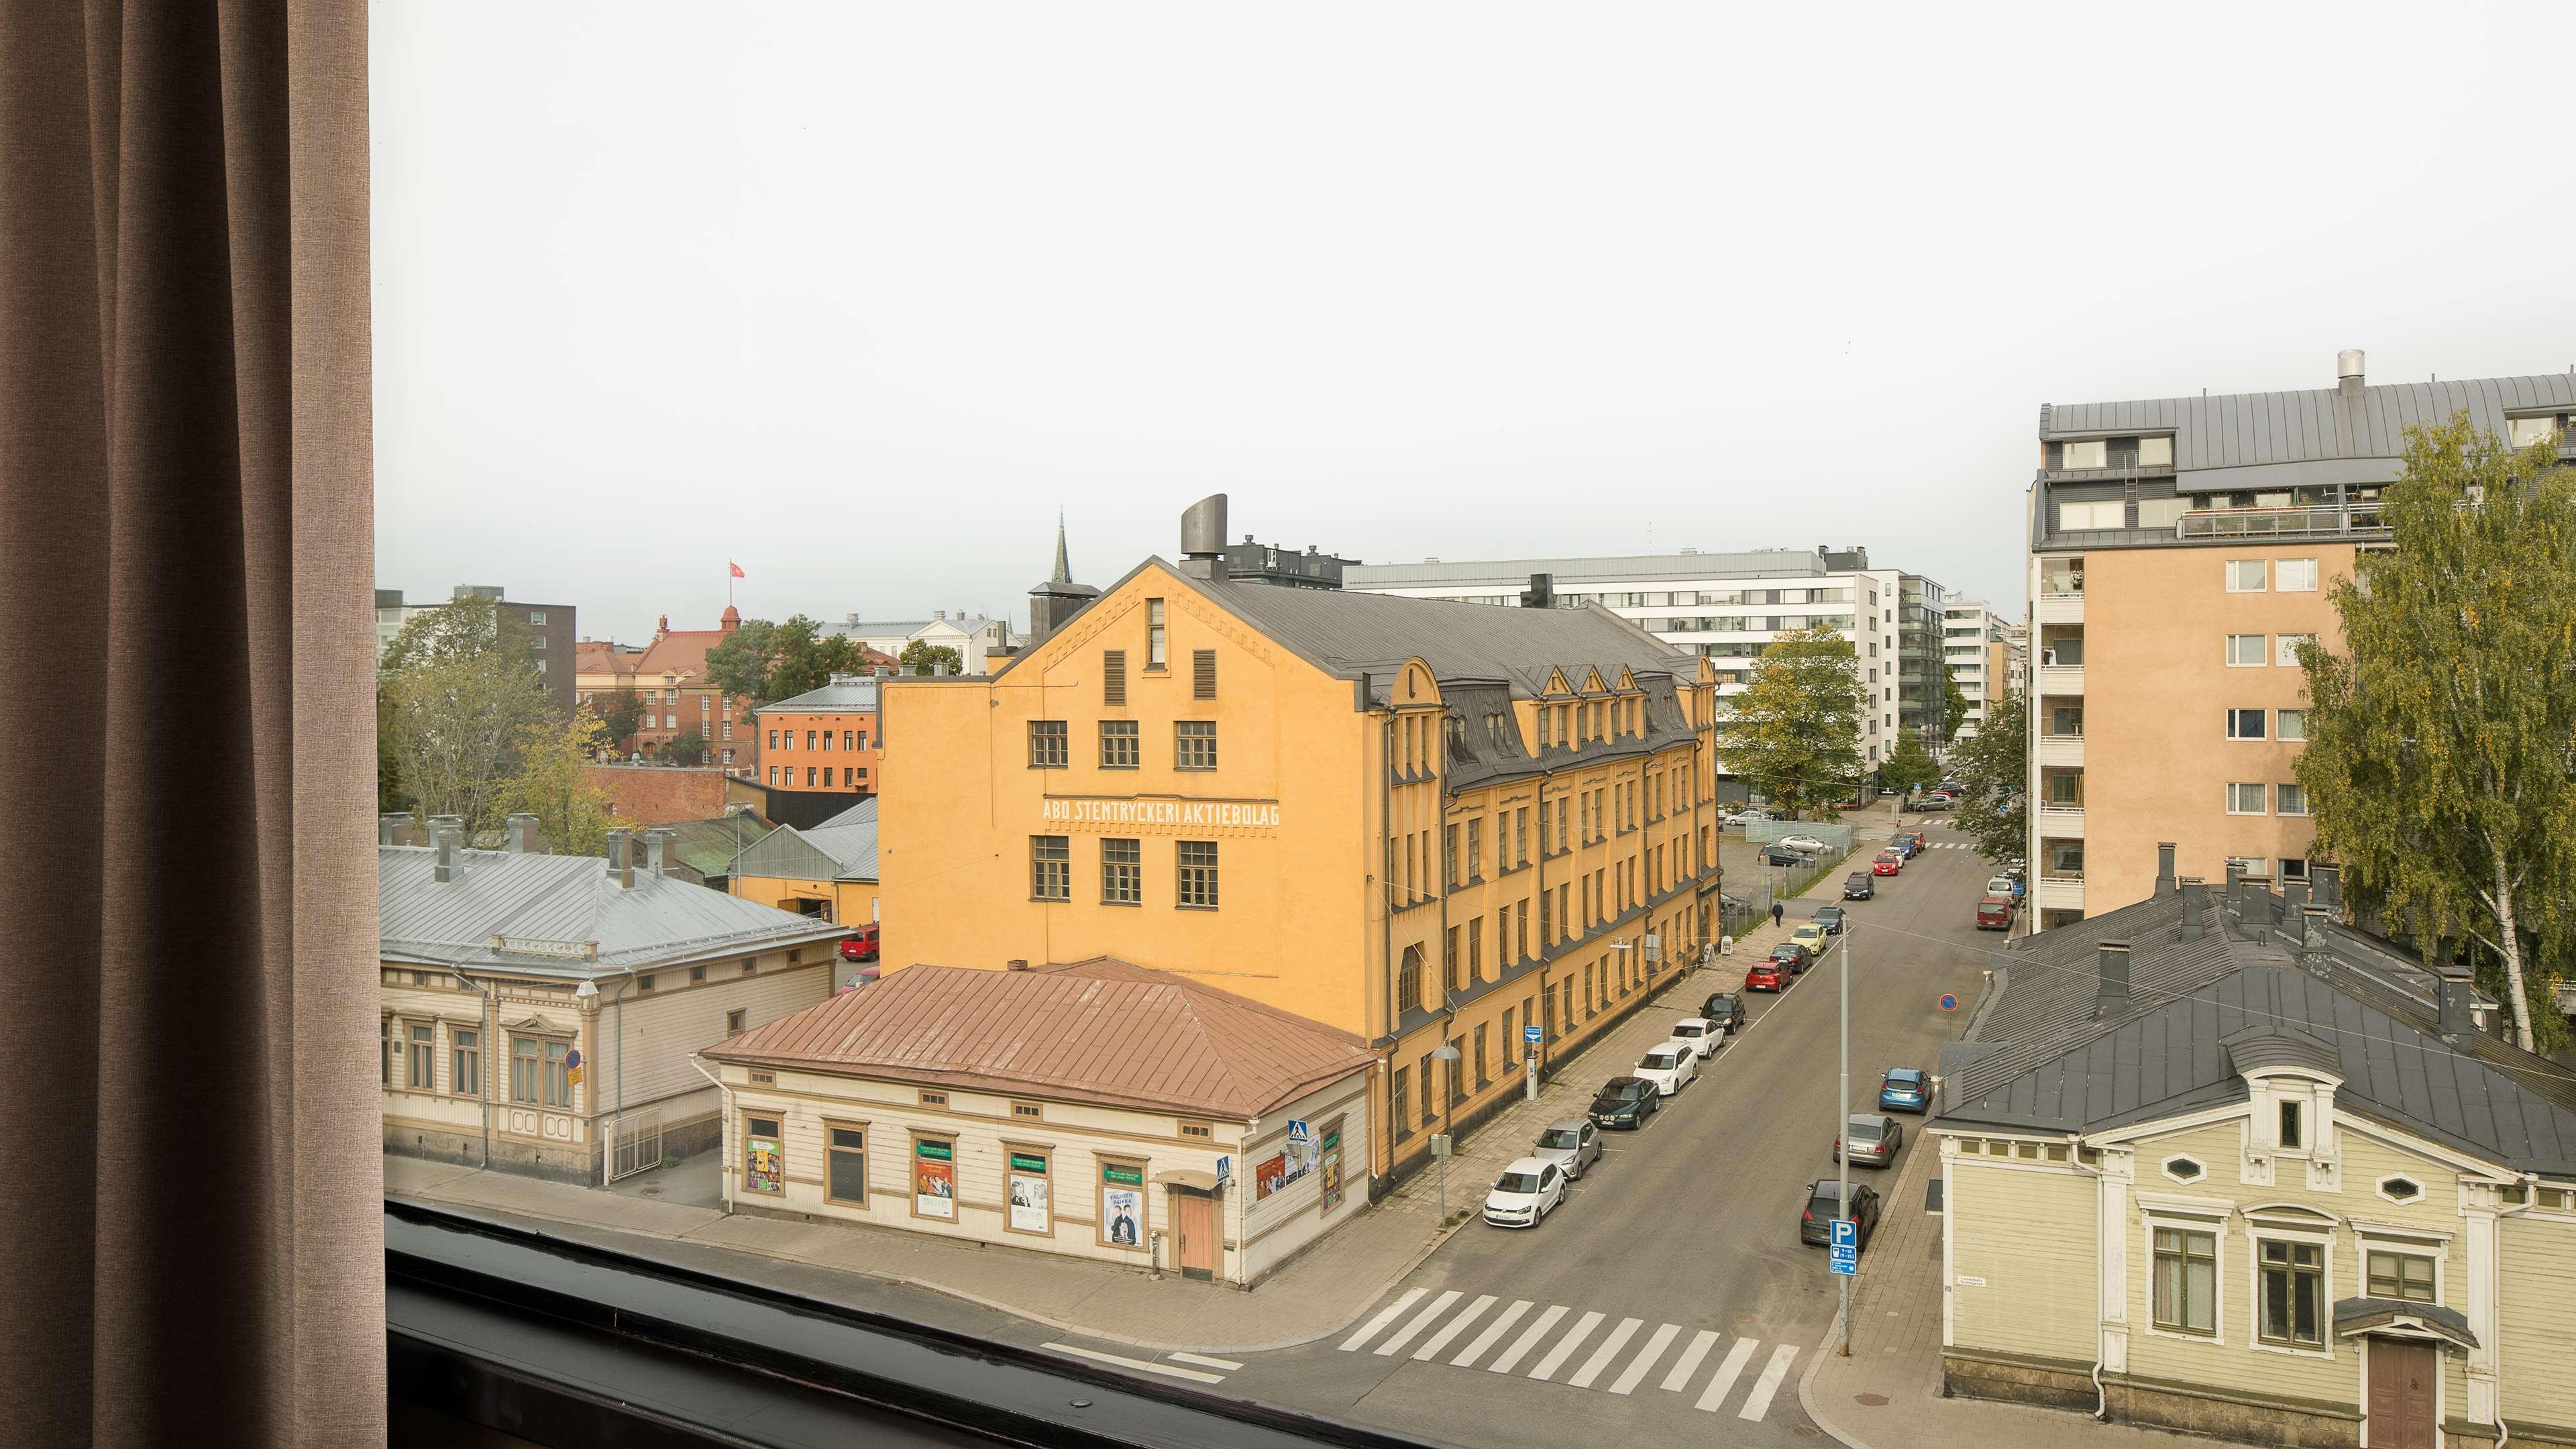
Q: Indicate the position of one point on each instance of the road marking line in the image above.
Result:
(1420, 1322)
(1727, 1372)
(1137, 1363)
(1758, 1402)
(1203, 1361)
(1566, 1346)
(1384, 1317)
(1690, 1359)
(1635, 1372)
(1440, 1340)
(1528, 1340)
(1492, 1334)
(1601, 1356)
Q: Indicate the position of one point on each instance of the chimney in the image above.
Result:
(1541, 594)
(2348, 373)
(391, 829)
(2313, 954)
(2164, 867)
(621, 866)
(523, 837)
(1016, 963)
(443, 867)
(2294, 899)
(1203, 538)
(2114, 998)
(2328, 881)
(660, 843)
(2195, 903)
(2458, 1009)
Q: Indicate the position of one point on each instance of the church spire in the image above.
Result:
(1063, 570)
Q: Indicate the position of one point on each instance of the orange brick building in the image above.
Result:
(669, 676)
(822, 740)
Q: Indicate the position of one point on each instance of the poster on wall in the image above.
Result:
(1270, 1176)
(1028, 1193)
(1331, 1186)
(1122, 1205)
(761, 1170)
(934, 1180)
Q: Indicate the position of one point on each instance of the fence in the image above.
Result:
(1837, 838)
(638, 1144)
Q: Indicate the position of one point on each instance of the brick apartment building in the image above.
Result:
(669, 676)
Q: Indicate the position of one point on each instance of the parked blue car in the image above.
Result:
(1905, 1090)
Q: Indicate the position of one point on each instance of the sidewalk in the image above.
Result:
(1320, 1293)
(1887, 1395)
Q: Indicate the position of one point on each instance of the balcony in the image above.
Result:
(2061, 822)
(2064, 679)
(2121, 470)
(2061, 593)
(2324, 520)
(2065, 750)
(2057, 892)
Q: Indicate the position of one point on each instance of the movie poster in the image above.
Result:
(761, 1166)
(1270, 1176)
(934, 1180)
(1122, 1206)
(1331, 1186)
(1028, 1193)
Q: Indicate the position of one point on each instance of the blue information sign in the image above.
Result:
(1530, 1034)
(1846, 1261)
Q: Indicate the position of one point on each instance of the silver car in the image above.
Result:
(1874, 1138)
(1573, 1145)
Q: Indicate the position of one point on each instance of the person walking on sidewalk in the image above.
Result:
(1777, 912)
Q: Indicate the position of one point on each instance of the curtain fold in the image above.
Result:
(193, 1248)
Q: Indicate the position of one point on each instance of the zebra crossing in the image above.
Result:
(1423, 1332)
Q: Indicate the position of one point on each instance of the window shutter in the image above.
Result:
(1202, 674)
(1113, 676)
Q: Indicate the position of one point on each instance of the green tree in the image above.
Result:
(1993, 770)
(1794, 735)
(919, 656)
(1908, 766)
(553, 784)
(1954, 707)
(771, 662)
(621, 713)
(459, 690)
(685, 748)
(2437, 761)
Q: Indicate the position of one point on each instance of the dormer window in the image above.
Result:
(2291, 1122)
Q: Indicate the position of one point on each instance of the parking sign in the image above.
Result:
(1846, 1233)
(1844, 1253)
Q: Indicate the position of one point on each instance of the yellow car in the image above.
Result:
(1811, 936)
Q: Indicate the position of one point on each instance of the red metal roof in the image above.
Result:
(1102, 1030)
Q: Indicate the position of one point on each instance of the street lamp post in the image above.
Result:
(1448, 1113)
(1842, 1134)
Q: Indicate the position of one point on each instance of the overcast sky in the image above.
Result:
(860, 295)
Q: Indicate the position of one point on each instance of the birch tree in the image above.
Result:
(1795, 732)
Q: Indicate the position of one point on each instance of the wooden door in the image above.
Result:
(1194, 1231)
(2402, 1380)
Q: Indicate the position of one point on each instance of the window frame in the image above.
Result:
(1186, 733)
(2281, 719)
(1201, 893)
(2263, 575)
(2262, 797)
(2236, 718)
(833, 1152)
(1051, 869)
(2262, 651)
(2371, 1277)
(457, 1053)
(2289, 793)
(2184, 1259)
(420, 1043)
(1050, 744)
(1130, 737)
(744, 1117)
(2263, 1237)
(2310, 573)
(1132, 869)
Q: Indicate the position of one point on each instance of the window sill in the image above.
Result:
(1120, 767)
(1125, 905)
(1193, 908)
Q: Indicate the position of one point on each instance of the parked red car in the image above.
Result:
(1768, 976)
(861, 946)
(1889, 862)
(1995, 913)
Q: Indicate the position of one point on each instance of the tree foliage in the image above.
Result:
(1954, 707)
(620, 713)
(1794, 735)
(460, 692)
(2437, 762)
(771, 662)
(919, 656)
(685, 748)
(1908, 766)
(1993, 771)
(552, 783)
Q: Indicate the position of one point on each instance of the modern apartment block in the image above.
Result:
(550, 629)
(1976, 648)
(2180, 550)
(1728, 607)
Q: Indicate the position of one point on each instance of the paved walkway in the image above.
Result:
(1887, 1395)
(1321, 1293)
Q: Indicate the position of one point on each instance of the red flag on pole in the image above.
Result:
(737, 569)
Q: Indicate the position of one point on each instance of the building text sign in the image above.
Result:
(1178, 814)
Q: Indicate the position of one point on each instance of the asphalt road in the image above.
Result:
(1670, 1295)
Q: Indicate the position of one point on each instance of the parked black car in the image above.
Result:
(1794, 956)
(1829, 917)
(1817, 1214)
(1782, 855)
(1625, 1102)
(1726, 1009)
(1857, 886)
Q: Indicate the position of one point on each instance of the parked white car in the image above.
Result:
(1670, 1066)
(1527, 1191)
(1807, 843)
(1700, 1034)
(1999, 885)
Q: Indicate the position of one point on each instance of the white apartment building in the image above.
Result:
(1729, 607)
(1970, 629)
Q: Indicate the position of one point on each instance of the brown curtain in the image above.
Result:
(190, 1236)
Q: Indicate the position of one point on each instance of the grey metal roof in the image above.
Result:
(2203, 1012)
(2251, 429)
(1574, 572)
(836, 697)
(569, 902)
(2360, 1315)
(841, 848)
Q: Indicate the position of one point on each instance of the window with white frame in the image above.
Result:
(2293, 725)
(2407, 1277)
(2245, 797)
(2251, 864)
(2245, 650)
(2245, 575)
(2295, 575)
(2079, 516)
(2290, 799)
(2245, 724)
(2286, 648)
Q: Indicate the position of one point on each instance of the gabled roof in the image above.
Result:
(2244, 429)
(841, 848)
(709, 846)
(568, 902)
(1102, 1031)
(2045, 1055)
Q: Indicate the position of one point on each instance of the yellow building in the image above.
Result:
(2180, 551)
(1428, 824)
(2215, 1163)
(828, 872)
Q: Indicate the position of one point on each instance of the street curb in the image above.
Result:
(1807, 1383)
